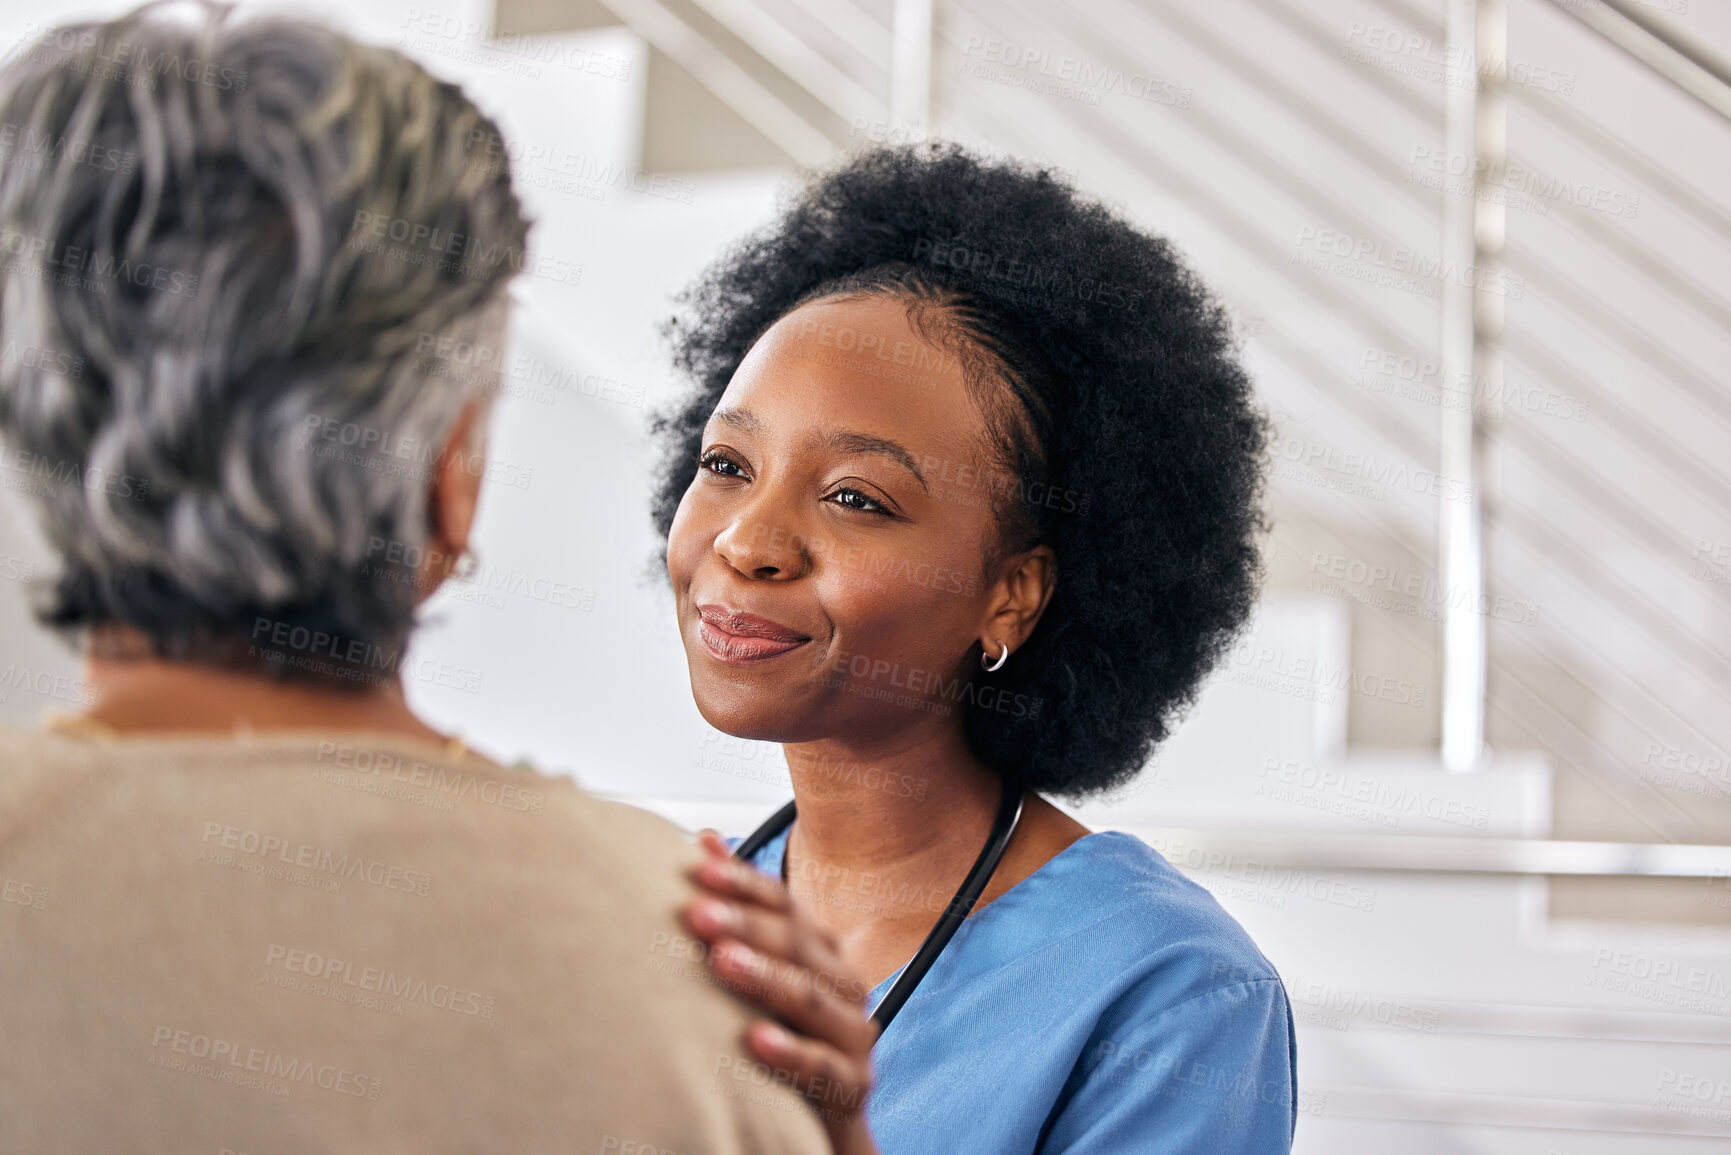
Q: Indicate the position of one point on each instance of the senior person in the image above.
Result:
(254, 904)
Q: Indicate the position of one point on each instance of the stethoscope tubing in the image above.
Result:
(1008, 817)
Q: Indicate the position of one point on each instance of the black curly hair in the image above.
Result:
(1115, 398)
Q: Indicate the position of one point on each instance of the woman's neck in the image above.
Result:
(885, 838)
(135, 692)
(881, 809)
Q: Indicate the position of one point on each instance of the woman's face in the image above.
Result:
(829, 560)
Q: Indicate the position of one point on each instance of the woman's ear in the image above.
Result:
(454, 494)
(1018, 598)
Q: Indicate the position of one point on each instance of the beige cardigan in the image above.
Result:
(288, 945)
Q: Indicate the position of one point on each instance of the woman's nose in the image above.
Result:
(763, 549)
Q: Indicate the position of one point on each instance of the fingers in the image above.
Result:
(786, 936)
(779, 934)
(766, 950)
(836, 1082)
(807, 996)
(773, 928)
(822, 1002)
(730, 878)
(741, 902)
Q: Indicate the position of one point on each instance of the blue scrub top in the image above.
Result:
(1104, 1005)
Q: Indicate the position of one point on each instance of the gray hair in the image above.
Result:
(227, 248)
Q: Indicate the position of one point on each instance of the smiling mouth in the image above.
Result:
(736, 637)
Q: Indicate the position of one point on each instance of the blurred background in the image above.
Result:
(1466, 780)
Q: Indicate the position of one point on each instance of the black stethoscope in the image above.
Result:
(1003, 827)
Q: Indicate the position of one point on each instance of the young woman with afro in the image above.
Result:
(961, 509)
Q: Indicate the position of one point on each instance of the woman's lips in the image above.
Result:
(731, 636)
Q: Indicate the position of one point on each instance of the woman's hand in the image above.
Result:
(767, 951)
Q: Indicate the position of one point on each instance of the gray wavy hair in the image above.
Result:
(226, 248)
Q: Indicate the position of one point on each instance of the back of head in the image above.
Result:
(225, 247)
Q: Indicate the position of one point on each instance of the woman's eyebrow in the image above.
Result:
(844, 441)
(743, 419)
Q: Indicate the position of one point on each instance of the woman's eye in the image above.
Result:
(720, 464)
(854, 499)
